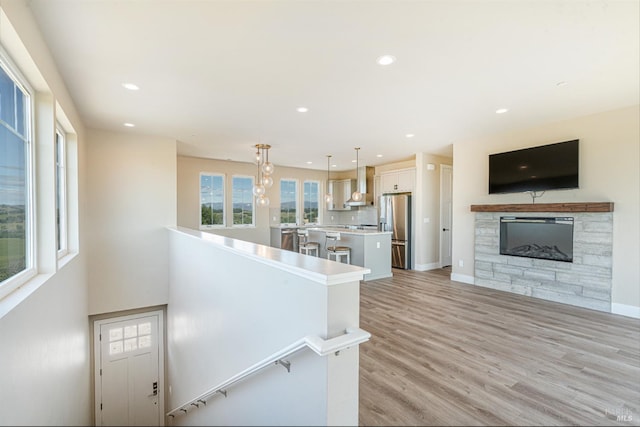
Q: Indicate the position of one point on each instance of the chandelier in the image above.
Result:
(263, 177)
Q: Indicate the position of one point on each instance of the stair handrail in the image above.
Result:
(322, 347)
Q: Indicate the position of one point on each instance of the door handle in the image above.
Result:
(445, 229)
(155, 390)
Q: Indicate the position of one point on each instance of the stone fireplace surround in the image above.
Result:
(586, 282)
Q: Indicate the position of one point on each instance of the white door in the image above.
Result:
(446, 191)
(128, 371)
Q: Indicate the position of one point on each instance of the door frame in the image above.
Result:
(97, 324)
(442, 169)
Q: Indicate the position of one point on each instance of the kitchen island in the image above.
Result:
(369, 248)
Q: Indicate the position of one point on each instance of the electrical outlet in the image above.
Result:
(331, 217)
(378, 245)
(460, 263)
(353, 218)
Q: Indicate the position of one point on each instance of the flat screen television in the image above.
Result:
(546, 167)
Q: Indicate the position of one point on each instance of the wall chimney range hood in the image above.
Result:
(364, 181)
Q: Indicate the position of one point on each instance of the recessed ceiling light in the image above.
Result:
(409, 135)
(378, 155)
(130, 86)
(129, 125)
(386, 59)
(309, 163)
(353, 161)
(501, 110)
(302, 109)
(563, 83)
(334, 166)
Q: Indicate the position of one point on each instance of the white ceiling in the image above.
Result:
(221, 76)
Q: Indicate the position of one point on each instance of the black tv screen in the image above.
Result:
(547, 167)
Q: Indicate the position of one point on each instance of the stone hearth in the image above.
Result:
(585, 282)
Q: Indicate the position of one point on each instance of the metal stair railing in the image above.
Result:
(322, 347)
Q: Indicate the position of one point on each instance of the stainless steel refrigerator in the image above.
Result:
(395, 216)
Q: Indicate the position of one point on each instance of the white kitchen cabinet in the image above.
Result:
(399, 181)
(340, 190)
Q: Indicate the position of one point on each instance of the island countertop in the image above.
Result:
(347, 230)
(370, 249)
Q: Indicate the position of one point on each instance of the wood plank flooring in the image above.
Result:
(446, 353)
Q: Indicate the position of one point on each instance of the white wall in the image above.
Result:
(44, 351)
(44, 356)
(427, 206)
(609, 171)
(189, 169)
(131, 198)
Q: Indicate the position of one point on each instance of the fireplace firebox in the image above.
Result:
(535, 237)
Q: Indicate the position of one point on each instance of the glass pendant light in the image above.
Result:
(328, 197)
(263, 176)
(267, 166)
(262, 201)
(356, 196)
(267, 181)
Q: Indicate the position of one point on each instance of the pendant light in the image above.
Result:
(263, 176)
(328, 197)
(356, 196)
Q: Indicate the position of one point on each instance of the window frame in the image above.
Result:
(13, 282)
(62, 195)
(318, 201)
(296, 204)
(253, 202)
(224, 204)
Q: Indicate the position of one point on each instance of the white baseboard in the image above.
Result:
(463, 278)
(427, 267)
(625, 310)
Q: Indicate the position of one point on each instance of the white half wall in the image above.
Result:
(233, 304)
(131, 199)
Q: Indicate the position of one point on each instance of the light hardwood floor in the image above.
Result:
(446, 353)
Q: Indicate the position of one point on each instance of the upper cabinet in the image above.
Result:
(398, 181)
(340, 190)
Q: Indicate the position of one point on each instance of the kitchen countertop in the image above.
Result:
(343, 230)
(346, 229)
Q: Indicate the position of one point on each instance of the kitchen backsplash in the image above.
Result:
(361, 215)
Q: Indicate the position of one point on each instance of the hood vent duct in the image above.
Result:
(364, 182)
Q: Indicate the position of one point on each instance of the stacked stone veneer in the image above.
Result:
(586, 282)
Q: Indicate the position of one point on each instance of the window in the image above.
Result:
(288, 201)
(311, 201)
(211, 200)
(61, 192)
(243, 206)
(15, 180)
(129, 338)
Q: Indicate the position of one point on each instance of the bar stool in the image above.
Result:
(305, 247)
(331, 244)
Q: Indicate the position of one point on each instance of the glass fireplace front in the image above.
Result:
(532, 237)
